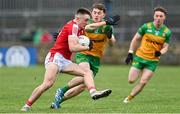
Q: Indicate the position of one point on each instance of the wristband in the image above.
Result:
(130, 51)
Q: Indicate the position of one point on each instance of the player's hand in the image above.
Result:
(113, 20)
(157, 53)
(55, 36)
(109, 33)
(129, 58)
(90, 45)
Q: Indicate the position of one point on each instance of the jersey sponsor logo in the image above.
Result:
(153, 41)
(145, 52)
(135, 63)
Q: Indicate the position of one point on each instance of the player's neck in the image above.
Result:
(158, 26)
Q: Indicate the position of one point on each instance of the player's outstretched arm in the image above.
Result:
(74, 46)
(110, 21)
(94, 25)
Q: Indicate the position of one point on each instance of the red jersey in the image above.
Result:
(61, 45)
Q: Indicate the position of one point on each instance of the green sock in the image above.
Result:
(65, 88)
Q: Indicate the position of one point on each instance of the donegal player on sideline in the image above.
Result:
(154, 37)
(100, 32)
(58, 58)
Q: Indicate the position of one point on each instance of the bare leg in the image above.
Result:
(146, 76)
(80, 71)
(75, 86)
(75, 82)
(49, 79)
(74, 91)
(133, 74)
(79, 83)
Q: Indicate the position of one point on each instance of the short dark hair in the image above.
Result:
(99, 6)
(83, 11)
(161, 9)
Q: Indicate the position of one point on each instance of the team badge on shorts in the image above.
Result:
(135, 63)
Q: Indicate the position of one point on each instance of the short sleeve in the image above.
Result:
(168, 36)
(75, 29)
(142, 29)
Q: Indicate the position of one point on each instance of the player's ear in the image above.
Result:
(77, 17)
(104, 15)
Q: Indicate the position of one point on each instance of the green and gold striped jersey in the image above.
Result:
(152, 40)
(99, 39)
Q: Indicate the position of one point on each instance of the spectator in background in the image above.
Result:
(46, 37)
(27, 35)
(37, 36)
(42, 36)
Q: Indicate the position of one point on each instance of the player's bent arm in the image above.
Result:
(134, 42)
(164, 48)
(112, 41)
(74, 46)
(94, 25)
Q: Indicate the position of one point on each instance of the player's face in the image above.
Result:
(97, 15)
(83, 20)
(159, 18)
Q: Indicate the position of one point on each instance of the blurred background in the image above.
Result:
(26, 27)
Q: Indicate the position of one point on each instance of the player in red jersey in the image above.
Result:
(58, 58)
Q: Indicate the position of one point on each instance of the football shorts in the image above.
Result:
(57, 59)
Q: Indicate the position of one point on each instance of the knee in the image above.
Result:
(87, 72)
(131, 81)
(143, 82)
(48, 84)
(83, 87)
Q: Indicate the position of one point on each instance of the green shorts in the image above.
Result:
(92, 60)
(141, 63)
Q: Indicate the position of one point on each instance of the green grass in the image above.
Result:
(161, 95)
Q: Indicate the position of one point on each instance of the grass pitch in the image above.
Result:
(161, 95)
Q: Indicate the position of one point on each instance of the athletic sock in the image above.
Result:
(63, 99)
(130, 97)
(91, 90)
(65, 88)
(28, 103)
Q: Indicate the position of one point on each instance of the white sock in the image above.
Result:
(92, 91)
(27, 106)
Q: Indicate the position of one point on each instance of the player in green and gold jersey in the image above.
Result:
(154, 37)
(100, 32)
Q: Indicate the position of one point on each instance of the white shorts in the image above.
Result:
(57, 59)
